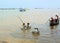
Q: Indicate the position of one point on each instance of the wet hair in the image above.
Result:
(56, 15)
(51, 17)
(28, 23)
(23, 23)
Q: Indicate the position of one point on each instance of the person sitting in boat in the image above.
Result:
(23, 26)
(52, 21)
(57, 19)
(28, 26)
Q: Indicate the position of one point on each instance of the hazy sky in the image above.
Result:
(29, 3)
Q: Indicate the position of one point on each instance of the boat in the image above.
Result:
(54, 23)
(36, 32)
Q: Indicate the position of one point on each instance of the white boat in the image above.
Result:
(36, 31)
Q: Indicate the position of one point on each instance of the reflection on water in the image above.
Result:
(3, 42)
(14, 34)
(47, 35)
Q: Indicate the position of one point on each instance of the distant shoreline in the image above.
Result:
(25, 8)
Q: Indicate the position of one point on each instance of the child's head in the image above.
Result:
(28, 23)
(23, 23)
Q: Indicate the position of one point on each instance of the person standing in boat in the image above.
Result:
(57, 19)
(52, 21)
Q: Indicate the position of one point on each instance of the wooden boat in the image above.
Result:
(54, 23)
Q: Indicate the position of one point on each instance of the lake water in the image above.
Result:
(10, 26)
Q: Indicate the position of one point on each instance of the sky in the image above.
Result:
(29, 3)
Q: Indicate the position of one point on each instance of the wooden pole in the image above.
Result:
(20, 19)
